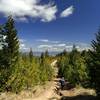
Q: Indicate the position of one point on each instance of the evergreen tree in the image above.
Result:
(42, 58)
(11, 43)
(11, 46)
(95, 63)
(46, 71)
(73, 67)
(1, 36)
(31, 55)
(10, 51)
(1, 42)
(73, 55)
(46, 53)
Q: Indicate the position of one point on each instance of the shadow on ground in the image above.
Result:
(80, 97)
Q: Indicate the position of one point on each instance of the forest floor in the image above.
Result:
(51, 91)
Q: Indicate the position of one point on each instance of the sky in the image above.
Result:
(53, 25)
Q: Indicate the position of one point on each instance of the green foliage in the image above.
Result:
(11, 43)
(24, 76)
(94, 63)
(28, 74)
(73, 67)
(31, 55)
(19, 71)
(46, 69)
(10, 51)
(46, 53)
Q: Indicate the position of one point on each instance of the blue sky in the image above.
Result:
(53, 24)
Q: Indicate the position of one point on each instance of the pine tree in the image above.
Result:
(11, 43)
(10, 51)
(1, 42)
(31, 55)
(1, 36)
(73, 67)
(95, 63)
(42, 58)
(46, 53)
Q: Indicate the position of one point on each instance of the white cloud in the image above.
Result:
(47, 41)
(68, 11)
(25, 49)
(44, 46)
(42, 40)
(21, 8)
(52, 47)
(22, 40)
(69, 46)
(23, 46)
(61, 45)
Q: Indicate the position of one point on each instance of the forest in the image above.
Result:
(20, 71)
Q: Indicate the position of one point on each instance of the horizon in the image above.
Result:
(53, 25)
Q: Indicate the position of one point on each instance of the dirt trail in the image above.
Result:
(50, 93)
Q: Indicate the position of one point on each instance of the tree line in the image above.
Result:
(19, 71)
(82, 67)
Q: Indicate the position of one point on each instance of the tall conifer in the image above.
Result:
(95, 63)
(11, 43)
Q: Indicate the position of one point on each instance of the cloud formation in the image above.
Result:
(42, 40)
(19, 9)
(61, 46)
(47, 41)
(68, 11)
(52, 46)
(22, 9)
(45, 46)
